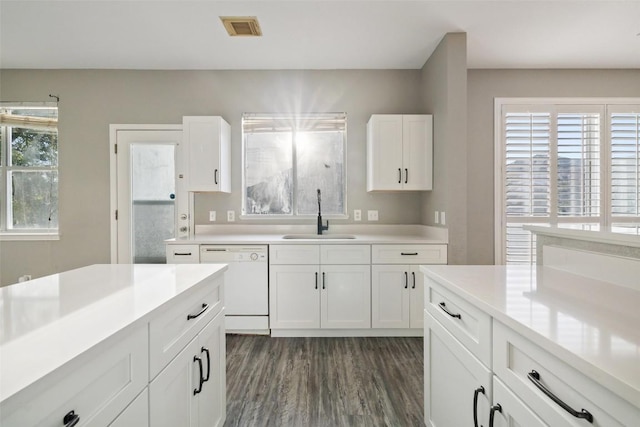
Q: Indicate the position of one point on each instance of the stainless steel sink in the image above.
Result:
(319, 236)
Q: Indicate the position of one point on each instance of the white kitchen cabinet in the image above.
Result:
(183, 254)
(457, 384)
(509, 410)
(400, 152)
(189, 392)
(397, 296)
(304, 294)
(207, 141)
(136, 414)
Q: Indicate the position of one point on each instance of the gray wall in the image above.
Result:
(483, 87)
(444, 94)
(90, 100)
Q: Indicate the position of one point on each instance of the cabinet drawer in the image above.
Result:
(136, 414)
(515, 360)
(345, 254)
(409, 254)
(97, 386)
(175, 325)
(470, 325)
(294, 254)
(183, 254)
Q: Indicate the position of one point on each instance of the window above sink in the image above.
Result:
(286, 158)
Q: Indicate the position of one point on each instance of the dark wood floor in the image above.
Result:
(324, 381)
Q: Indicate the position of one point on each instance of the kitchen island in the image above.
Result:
(499, 332)
(101, 344)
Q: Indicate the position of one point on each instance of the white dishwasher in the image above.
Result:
(246, 286)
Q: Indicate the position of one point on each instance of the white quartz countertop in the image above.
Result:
(624, 236)
(591, 325)
(49, 321)
(268, 235)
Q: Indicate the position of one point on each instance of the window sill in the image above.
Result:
(9, 236)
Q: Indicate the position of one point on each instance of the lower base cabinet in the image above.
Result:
(190, 391)
(457, 385)
(136, 414)
(397, 296)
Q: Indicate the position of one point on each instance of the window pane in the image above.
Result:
(34, 198)
(527, 171)
(268, 173)
(319, 160)
(34, 147)
(578, 168)
(625, 164)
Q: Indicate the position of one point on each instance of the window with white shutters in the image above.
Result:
(564, 162)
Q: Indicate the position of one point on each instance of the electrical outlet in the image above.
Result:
(436, 218)
(372, 215)
(231, 216)
(357, 215)
(212, 216)
(442, 218)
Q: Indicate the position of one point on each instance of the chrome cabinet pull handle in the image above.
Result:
(206, 351)
(475, 404)
(193, 316)
(492, 412)
(199, 389)
(70, 419)
(534, 377)
(443, 306)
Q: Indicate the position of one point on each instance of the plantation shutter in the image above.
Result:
(625, 164)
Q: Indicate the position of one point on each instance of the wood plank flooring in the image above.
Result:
(324, 381)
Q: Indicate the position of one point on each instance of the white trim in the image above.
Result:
(498, 177)
(113, 175)
(405, 332)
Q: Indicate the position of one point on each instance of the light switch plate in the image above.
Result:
(212, 216)
(372, 215)
(357, 215)
(436, 218)
(231, 216)
(442, 218)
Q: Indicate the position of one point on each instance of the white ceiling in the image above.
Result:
(317, 34)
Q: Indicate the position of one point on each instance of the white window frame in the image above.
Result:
(558, 105)
(294, 215)
(10, 234)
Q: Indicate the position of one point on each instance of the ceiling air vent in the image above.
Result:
(246, 26)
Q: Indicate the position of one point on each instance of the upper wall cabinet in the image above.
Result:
(400, 152)
(207, 142)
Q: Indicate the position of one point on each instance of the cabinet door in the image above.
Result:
(390, 296)
(512, 412)
(294, 297)
(417, 152)
(136, 414)
(207, 141)
(212, 399)
(345, 296)
(416, 299)
(451, 377)
(171, 394)
(384, 152)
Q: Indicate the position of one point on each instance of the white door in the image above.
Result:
(345, 296)
(417, 152)
(149, 198)
(416, 286)
(212, 398)
(171, 394)
(386, 152)
(390, 296)
(294, 296)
